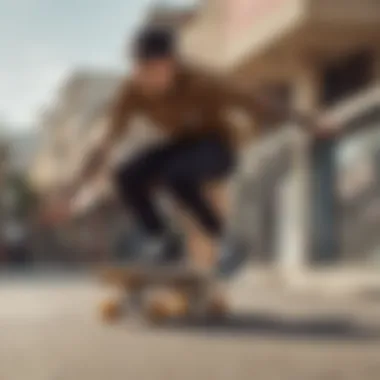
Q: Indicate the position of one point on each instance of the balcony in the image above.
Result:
(312, 26)
(345, 11)
(348, 109)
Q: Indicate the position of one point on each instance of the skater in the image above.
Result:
(188, 107)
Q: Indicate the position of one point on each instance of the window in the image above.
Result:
(346, 76)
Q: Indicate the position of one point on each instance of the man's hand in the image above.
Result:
(325, 129)
(94, 162)
(319, 127)
(92, 166)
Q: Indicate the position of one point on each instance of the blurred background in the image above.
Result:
(300, 201)
(309, 207)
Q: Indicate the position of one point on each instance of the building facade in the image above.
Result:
(69, 129)
(320, 57)
(70, 125)
(299, 200)
(17, 199)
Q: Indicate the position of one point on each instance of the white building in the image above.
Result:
(321, 57)
(68, 127)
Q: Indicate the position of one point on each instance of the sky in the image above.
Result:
(41, 41)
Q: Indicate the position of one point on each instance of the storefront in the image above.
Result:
(358, 189)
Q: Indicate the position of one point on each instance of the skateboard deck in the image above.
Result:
(133, 277)
(161, 294)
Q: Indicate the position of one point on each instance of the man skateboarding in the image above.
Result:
(189, 108)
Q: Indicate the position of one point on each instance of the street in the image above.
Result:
(50, 331)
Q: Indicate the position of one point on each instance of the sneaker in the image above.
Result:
(167, 250)
(234, 254)
(128, 245)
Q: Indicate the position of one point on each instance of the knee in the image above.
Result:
(179, 184)
(128, 181)
(173, 179)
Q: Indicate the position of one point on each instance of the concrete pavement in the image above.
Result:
(49, 331)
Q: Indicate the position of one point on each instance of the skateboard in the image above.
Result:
(158, 295)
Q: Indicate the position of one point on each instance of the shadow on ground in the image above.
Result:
(272, 326)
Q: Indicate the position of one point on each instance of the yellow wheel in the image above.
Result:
(111, 310)
(218, 306)
(166, 305)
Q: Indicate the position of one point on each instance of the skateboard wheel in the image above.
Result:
(107, 275)
(167, 306)
(156, 313)
(218, 306)
(110, 310)
(132, 282)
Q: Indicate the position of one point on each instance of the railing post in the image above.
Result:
(294, 214)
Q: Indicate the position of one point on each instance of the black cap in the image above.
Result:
(154, 42)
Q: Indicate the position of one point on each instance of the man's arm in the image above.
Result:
(263, 107)
(312, 123)
(120, 112)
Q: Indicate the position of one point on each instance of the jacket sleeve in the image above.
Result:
(223, 96)
(265, 109)
(261, 109)
(122, 109)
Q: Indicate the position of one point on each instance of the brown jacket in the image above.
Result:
(197, 105)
